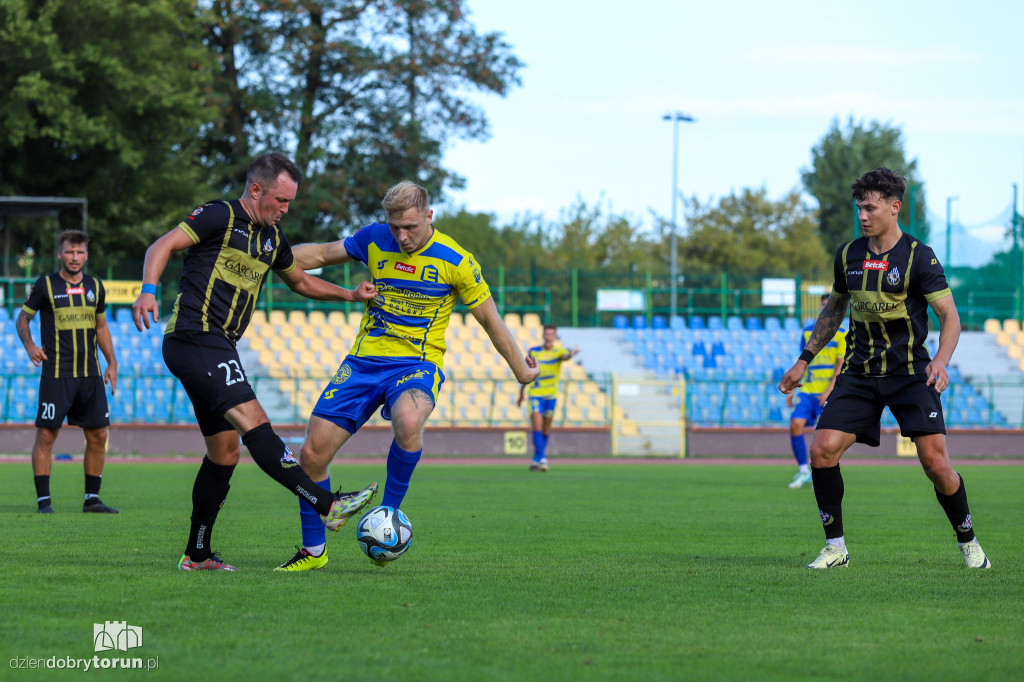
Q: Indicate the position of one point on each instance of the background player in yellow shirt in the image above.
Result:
(544, 392)
(818, 382)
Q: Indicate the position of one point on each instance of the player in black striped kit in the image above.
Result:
(232, 247)
(888, 280)
(73, 323)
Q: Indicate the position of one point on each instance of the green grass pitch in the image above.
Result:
(617, 572)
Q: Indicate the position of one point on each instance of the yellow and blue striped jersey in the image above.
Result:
(415, 293)
(823, 366)
(550, 364)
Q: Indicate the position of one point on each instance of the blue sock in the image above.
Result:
(538, 446)
(545, 435)
(799, 449)
(401, 464)
(314, 532)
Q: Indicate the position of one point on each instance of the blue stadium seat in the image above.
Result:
(123, 314)
(772, 324)
(697, 322)
(715, 322)
(718, 348)
(677, 322)
(710, 362)
(620, 322)
(659, 322)
(733, 322)
(754, 324)
(791, 325)
(639, 322)
(698, 349)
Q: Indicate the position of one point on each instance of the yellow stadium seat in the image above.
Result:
(1011, 326)
(317, 344)
(296, 318)
(276, 343)
(354, 318)
(336, 318)
(259, 317)
(1020, 365)
(993, 326)
(296, 343)
(267, 358)
(317, 318)
(277, 318)
(257, 343)
(531, 321)
(286, 331)
(455, 320)
(1014, 351)
(513, 321)
(1003, 338)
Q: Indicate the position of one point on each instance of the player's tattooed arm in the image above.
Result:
(24, 333)
(831, 317)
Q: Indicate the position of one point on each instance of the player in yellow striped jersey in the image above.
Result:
(395, 362)
(818, 383)
(544, 392)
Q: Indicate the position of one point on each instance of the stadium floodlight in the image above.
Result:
(675, 117)
(949, 229)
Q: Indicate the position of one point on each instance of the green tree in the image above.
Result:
(842, 156)
(362, 93)
(104, 100)
(749, 234)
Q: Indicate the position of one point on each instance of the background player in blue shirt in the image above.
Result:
(396, 360)
(818, 383)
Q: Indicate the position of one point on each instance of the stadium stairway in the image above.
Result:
(602, 350)
(980, 357)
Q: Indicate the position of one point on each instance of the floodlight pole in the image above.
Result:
(675, 117)
(949, 229)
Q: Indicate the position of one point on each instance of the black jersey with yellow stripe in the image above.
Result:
(225, 269)
(67, 324)
(889, 297)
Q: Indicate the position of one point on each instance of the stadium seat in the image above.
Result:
(1011, 326)
(697, 322)
(639, 322)
(677, 323)
(715, 322)
(791, 324)
(753, 324)
(659, 322)
(734, 323)
(772, 324)
(620, 322)
(123, 315)
(993, 326)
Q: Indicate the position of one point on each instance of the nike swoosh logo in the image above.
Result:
(833, 563)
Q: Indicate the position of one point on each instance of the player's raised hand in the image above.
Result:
(366, 291)
(144, 305)
(791, 379)
(937, 376)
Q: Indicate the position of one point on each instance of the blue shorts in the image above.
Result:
(361, 385)
(808, 408)
(544, 406)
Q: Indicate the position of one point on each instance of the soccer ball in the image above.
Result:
(384, 534)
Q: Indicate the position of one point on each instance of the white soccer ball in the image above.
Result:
(384, 534)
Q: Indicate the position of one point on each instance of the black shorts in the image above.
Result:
(83, 401)
(855, 406)
(208, 367)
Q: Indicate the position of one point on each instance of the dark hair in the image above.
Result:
(266, 168)
(551, 327)
(888, 183)
(72, 237)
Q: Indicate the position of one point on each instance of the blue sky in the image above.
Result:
(763, 80)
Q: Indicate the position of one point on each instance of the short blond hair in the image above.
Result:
(403, 196)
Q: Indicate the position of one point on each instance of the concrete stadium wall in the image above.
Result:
(146, 439)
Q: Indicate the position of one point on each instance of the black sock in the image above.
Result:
(828, 492)
(208, 495)
(957, 512)
(274, 457)
(43, 491)
(92, 486)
